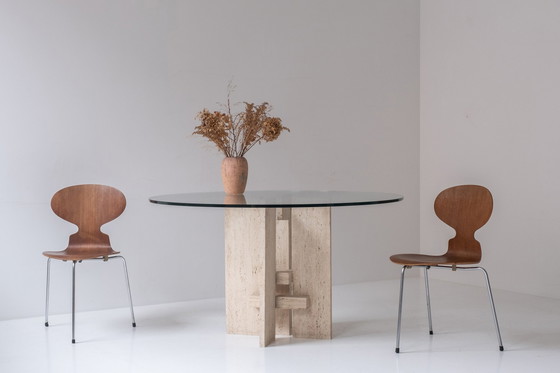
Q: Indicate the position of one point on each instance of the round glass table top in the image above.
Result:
(277, 198)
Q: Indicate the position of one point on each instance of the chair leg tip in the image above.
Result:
(73, 341)
(134, 325)
(397, 350)
(46, 324)
(501, 348)
(431, 332)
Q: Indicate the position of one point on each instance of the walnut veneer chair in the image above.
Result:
(465, 208)
(89, 207)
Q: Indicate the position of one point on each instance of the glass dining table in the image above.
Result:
(278, 257)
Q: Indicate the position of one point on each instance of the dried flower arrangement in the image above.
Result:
(235, 134)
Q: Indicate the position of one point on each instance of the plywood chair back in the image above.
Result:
(465, 208)
(88, 206)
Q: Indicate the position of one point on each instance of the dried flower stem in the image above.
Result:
(236, 134)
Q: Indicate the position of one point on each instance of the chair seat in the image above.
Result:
(86, 254)
(430, 260)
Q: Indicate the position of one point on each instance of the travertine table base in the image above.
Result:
(278, 272)
(278, 257)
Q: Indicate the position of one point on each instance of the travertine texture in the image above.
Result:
(311, 266)
(278, 272)
(250, 270)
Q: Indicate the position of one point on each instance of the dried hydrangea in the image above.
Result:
(235, 134)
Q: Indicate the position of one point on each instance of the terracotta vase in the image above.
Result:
(234, 175)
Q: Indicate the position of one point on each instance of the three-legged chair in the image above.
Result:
(465, 208)
(88, 206)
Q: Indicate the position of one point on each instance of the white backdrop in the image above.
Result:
(107, 91)
(490, 85)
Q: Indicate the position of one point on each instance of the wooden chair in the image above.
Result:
(465, 208)
(89, 207)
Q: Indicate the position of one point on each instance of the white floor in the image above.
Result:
(189, 337)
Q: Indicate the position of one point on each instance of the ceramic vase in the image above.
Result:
(234, 175)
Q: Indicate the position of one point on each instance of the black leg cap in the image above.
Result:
(46, 324)
(501, 348)
(431, 332)
(397, 350)
(134, 325)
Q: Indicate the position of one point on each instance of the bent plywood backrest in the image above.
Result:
(465, 208)
(88, 206)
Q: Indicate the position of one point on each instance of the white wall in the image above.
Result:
(490, 85)
(107, 91)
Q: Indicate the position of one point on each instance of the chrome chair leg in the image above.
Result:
(74, 262)
(47, 293)
(128, 287)
(428, 299)
(73, 301)
(397, 348)
(126, 281)
(491, 298)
